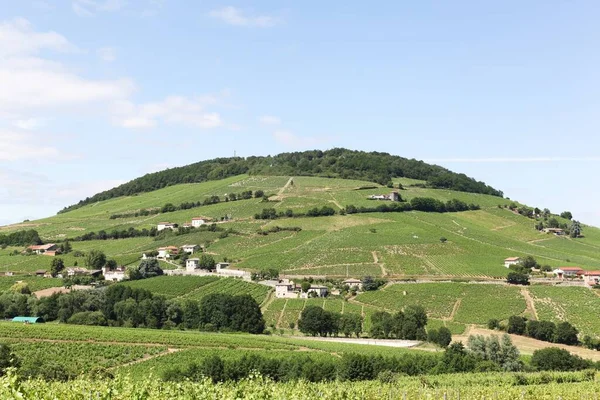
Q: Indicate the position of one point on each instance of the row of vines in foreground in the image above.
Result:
(258, 388)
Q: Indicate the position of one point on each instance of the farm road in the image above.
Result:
(372, 342)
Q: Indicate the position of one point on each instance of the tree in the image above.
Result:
(575, 230)
(207, 262)
(444, 337)
(555, 359)
(443, 239)
(21, 288)
(566, 215)
(529, 263)
(65, 247)
(95, 259)
(56, 267)
(259, 194)
(316, 321)
(493, 324)
(516, 325)
(305, 286)
(517, 278)
(553, 223)
(566, 334)
(111, 264)
(7, 359)
(148, 268)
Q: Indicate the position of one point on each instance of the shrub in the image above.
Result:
(555, 359)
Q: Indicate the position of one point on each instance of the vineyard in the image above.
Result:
(172, 286)
(453, 387)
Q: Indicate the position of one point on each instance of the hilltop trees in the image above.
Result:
(21, 238)
(340, 163)
(566, 215)
(575, 230)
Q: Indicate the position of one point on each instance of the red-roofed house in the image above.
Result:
(567, 272)
(511, 261)
(591, 277)
(50, 248)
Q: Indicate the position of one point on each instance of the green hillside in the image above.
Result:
(391, 244)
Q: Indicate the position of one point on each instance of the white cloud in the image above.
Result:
(88, 8)
(107, 54)
(289, 139)
(172, 110)
(20, 146)
(29, 124)
(269, 120)
(30, 82)
(234, 16)
(18, 38)
(512, 159)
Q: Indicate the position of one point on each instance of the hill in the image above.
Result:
(340, 163)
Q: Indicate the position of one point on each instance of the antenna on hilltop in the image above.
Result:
(234, 154)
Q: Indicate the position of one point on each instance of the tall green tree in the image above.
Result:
(95, 259)
(57, 266)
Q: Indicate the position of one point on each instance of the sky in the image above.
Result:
(94, 93)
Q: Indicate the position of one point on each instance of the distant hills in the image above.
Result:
(335, 163)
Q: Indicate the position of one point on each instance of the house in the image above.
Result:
(49, 248)
(511, 261)
(167, 252)
(116, 275)
(29, 320)
(187, 225)
(190, 248)
(191, 264)
(40, 272)
(198, 222)
(76, 271)
(556, 231)
(353, 283)
(161, 226)
(567, 272)
(222, 265)
(394, 196)
(320, 291)
(591, 277)
(285, 289)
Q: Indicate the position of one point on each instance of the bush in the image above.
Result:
(493, 324)
(516, 325)
(517, 278)
(555, 359)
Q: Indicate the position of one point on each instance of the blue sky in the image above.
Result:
(96, 92)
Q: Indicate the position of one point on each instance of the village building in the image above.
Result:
(353, 283)
(511, 261)
(568, 272)
(555, 231)
(161, 226)
(591, 277)
(198, 222)
(167, 252)
(190, 248)
(116, 275)
(40, 272)
(49, 249)
(187, 225)
(76, 271)
(394, 196)
(191, 264)
(285, 289)
(320, 291)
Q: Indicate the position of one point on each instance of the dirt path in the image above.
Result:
(280, 319)
(265, 305)
(334, 201)
(530, 303)
(282, 190)
(454, 310)
(372, 342)
(146, 358)
(384, 271)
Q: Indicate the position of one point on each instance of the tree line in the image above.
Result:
(334, 163)
(547, 331)
(121, 305)
(425, 204)
(170, 207)
(20, 238)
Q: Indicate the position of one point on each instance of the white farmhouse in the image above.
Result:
(511, 261)
(353, 283)
(166, 252)
(116, 275)
(192, 264)
(161, 226)
(190, 248)
(198, 222)
(321, 291)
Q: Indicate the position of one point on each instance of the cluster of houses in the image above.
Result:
(394, 196)
(197, 222)
(115, 275)
(49, 249)
(287, 289)
(167, 252)
(589, 277)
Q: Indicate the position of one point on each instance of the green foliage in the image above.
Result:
(95, 259)
(148, 268)
(57, 266)
(20, 238)
(516, 325)
(517, 278)
(378, 167)
(555, 359)
(207, 262)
